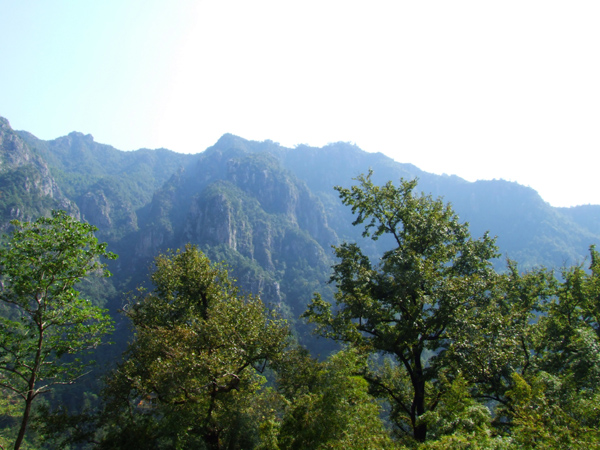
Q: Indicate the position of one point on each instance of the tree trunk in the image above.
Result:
(420, 432)
(211, 432)
(28, 402)
(31, 388)
(211, 438)
(418, 382)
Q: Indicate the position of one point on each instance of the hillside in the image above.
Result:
(269, 211)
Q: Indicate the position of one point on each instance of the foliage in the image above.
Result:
(556, 404)
(191, 376)
(405, 305)
(456, 332)
(45, 325)
(523, 345)
(327, 405)
(460, 422)
(542, 422)
(492, 342)
(536, 352)
(77, 163)
(571, 325)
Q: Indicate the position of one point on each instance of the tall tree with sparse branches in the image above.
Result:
(45, 324)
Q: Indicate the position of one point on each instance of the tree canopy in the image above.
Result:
(193, 370)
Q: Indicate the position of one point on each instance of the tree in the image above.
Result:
(571, 326)
(406, 305)
(498, 339)
(555, 404)
(45, 325)
(327, 404)
(459, 421)
(545, 415)
(192, 372)
(534, 350)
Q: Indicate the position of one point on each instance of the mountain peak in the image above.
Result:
(78, 135)
(231, 141)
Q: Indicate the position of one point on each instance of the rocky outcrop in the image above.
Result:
(211, 221)
(244, 208)
(95, 209)
(27, 187)
(13, 151)
(274, 189)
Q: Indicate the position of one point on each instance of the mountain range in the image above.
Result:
(269, 211)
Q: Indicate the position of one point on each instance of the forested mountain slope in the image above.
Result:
(269, 211)
(108, 185)
(187, 367)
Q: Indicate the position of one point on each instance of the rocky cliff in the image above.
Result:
(27, 188)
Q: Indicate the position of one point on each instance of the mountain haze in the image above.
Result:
(269, 211)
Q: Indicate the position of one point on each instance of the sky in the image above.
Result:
(483, 90)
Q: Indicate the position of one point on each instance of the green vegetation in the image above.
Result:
(435, 342)
(45, 325)
(191, 377)
(440, 350)
(18, 193)
(406, 306)
(326, 405)
(462, 340)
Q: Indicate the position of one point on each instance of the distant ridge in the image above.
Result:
(270, 211)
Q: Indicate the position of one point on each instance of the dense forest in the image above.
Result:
(277, 298)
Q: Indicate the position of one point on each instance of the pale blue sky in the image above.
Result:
(474, 88)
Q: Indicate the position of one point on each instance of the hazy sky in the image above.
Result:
(480, 89)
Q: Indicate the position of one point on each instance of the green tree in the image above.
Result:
(406, 305)
(571, 326)
(192, 373)
(327, 404)
(545, 416)
(534, 350)
(555, 404)
(459, 421)
(45, 325)
(498, 339)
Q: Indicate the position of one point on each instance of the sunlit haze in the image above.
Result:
(483, 90)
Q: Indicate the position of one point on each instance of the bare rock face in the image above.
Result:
(221, 216)
(95, 209)
(258, 209)
(280, 192)
(244, 208)
(14, 154)
(273, 189)
(27, 188)
(210, 220)
(264, 238)
(13, 151)
(149, 243)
